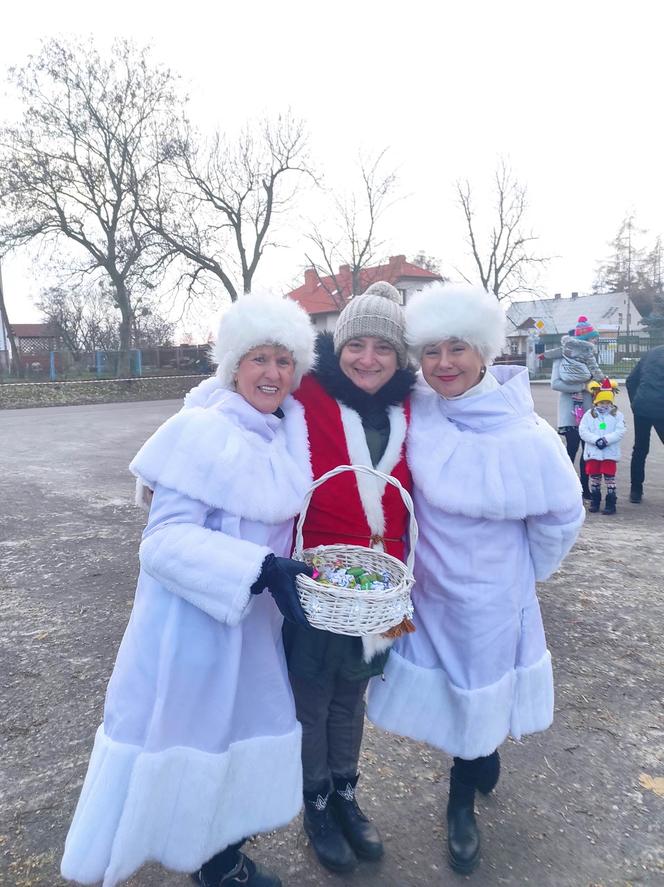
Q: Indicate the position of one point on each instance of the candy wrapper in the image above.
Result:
(349, 577)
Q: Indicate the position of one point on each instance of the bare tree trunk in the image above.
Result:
(123, 302)
(15, 363)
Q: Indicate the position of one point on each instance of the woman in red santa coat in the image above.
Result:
(357, 413)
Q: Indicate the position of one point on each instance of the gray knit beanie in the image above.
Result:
(377, 312)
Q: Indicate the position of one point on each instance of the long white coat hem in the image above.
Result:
(177, 806)
(465, 723)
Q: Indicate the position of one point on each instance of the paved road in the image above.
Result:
(570, 809)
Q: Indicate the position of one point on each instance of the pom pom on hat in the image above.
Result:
(450, 311)
(263, 319)
(377, 312)
(385, 289)
(584, 328)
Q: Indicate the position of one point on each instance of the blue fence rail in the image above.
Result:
(58, 366)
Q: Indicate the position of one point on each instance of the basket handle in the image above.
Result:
(362, 469)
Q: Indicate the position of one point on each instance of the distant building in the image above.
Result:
(34, 342)
(324, 297)
(608, 313)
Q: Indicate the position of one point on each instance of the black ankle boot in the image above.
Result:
(361, 834)
(610, 503)
(463, 838)
(245, 872)
(331, 847)
(595, 501)
(487, 772)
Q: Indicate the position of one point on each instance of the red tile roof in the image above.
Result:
(319, 295)
(33, 330)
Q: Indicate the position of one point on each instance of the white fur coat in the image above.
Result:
(199, 746)
(498, 505)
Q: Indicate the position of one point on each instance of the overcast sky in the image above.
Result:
(570, 92)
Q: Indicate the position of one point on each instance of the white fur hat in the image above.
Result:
(450, 311)
(260, 319)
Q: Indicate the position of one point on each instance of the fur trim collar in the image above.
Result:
(371, 489)
(489, 456)
(339, 386)
(232, 457)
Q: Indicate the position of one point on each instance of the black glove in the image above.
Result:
(278, 576)
(600, 443)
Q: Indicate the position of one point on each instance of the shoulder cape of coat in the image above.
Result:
(463, 459)
(218, 453)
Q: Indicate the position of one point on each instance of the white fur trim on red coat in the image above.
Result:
(372, 489)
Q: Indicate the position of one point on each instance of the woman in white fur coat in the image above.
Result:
(200, 746)
(499, 507)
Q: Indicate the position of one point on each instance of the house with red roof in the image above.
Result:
(324, 297)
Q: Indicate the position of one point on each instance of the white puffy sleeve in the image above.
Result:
(619, 432)
(551, 537)
(208, 568)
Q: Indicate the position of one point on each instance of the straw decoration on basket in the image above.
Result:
(357, 611)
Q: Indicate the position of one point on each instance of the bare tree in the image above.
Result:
(427, 262)
(351, 237)
(506, 261)
(76, 164)
(217, 204)
(85, 317)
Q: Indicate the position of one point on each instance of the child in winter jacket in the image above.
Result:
(601, 429)
(577, 355)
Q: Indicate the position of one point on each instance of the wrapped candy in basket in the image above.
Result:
(356, 590)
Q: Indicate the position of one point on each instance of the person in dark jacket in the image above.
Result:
(356, 407)
(645, 386)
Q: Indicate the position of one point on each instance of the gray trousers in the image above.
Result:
(332, 718)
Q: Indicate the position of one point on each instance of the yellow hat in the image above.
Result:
(605, 395)
(604, 392)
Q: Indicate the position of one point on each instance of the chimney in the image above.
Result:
(575, 295)
(556, 295)
(397, 260)
(344, 269)
(310, 278)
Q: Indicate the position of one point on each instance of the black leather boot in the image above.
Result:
(610, 503)
(487, 772)
(331, 847)
(595, 501)
(245, 872)
(463, 838)
(359, 831)
(636, 495)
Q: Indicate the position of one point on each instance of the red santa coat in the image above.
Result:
(353, 509)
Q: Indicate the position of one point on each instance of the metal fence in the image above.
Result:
(59, 366)
(617, 355)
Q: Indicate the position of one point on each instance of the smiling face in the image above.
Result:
(265, 376)
(451, 367)
(369, 362)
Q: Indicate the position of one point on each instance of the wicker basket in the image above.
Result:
(356, 611)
